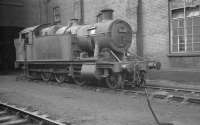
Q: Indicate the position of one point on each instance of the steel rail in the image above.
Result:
(175, 89)
(169, 93)
(7, 118)
(157, 94)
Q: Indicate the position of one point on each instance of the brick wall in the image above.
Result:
(66, 10)
(156, 36)
(191, 62)
(156, 30)
(34, 12)
(22, 13)
(123, 9)
(154, 27)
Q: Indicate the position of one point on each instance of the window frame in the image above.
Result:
(56, 15)
(188, 46)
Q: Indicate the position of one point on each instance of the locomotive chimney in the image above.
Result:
(99, 17)
(74, 21)
(107, 14)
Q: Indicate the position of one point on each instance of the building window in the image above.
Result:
(185, 26)
(56, 15)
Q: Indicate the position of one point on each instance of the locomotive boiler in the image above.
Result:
(84, 53)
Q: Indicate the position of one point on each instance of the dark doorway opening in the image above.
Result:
(7, 48)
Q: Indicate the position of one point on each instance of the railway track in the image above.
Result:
(12, 115)
(175, 94)
(181, 95)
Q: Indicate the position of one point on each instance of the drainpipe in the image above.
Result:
(47, 10)
(139, 34)
(40, 16)
(82, 11)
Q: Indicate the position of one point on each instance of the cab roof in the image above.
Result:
(29, 29)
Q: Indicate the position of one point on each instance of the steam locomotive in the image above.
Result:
(82, 53)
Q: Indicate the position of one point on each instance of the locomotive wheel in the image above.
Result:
(114, 81)
(78, 80)
(60, 77)
(140, 79)
(34, 75)
(46, 76)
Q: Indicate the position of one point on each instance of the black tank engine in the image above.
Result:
(84, 53)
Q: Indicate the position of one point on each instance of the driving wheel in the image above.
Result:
(46, 76)
(60, 77)
(78, 80)
(140, 79)
(114, 81)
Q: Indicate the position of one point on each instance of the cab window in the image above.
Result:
(25, 37)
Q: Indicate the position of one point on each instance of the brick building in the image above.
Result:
(150, 21)
(170, 32)
(163, 32)
(14, 16)
(60, 11)
(158, 26)
(154, 30)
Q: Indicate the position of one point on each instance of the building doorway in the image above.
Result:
(7, 48)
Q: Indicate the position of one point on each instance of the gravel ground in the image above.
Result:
(87, 107)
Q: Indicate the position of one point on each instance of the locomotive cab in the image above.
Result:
(23, 45)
